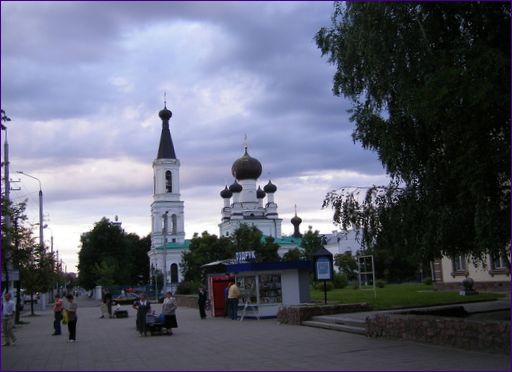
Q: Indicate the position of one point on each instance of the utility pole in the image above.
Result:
(165, 250)
(7, 189)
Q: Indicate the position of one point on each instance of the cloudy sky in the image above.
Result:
(83, 83)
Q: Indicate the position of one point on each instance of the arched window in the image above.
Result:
(174, 273)
(168, 181)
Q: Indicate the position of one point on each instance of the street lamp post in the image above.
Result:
(41, 226)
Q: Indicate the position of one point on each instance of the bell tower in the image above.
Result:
(167, 208)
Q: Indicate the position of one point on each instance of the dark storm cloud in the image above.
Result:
(84, 82)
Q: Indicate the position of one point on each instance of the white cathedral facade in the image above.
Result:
(244, 202)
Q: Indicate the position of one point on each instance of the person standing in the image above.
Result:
(226, 302)
(58, 307)
(8, 309)
(201, 302)
(233, 296)
(108, 301)
(71, 309)
(169, 310)
(143, 307)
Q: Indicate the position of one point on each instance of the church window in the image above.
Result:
(174, 219)
(174, 273)
(168, 181)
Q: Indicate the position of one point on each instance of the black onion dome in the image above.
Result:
(226, 193)
(246, 168)
(270, 188)
(296, 220)
(260, 194)
(165, 114)
(235, 187)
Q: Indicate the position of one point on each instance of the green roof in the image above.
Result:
(285, 240)
(171, 245)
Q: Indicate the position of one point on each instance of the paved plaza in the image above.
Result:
(221, 344)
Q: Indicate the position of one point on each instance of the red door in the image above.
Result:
(218, 296)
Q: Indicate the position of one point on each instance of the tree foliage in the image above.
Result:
(247, 238)
(202, 250)
(36, 266)
(347, 264)
(294, 254)
(430, 86)
(311, 242)
(267, 251)
(110, 256)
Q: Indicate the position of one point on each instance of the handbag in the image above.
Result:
(65, 317)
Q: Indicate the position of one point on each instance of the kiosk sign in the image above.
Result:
(323, 269)
(244, 256)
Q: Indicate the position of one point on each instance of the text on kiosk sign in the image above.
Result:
(244, 256)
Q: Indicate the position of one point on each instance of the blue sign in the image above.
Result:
(323, 269)
(244, 256)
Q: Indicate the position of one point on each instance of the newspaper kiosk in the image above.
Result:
(266, 286)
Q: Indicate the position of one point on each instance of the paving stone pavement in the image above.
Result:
(221, 344)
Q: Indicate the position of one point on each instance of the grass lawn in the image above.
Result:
(399, 295)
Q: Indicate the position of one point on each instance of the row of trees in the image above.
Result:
(430, 86)
(109, 256)
(38, 268)
(210, 248)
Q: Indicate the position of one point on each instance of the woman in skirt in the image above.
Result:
(169, 310)
(143, 307)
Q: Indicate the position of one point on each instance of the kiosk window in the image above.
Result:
(270, 288)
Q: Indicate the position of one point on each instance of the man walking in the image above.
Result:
(8, 308)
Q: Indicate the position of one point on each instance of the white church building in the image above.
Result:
(245, 202)
(167, 208)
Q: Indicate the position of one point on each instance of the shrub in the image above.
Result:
(339, 280)
(380, 283)
(355, 285)
(188, 287)
(319, 285)
(428, 281)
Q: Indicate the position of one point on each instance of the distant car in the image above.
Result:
(126, 299)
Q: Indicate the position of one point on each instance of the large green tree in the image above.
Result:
(110, 256)
(267, 251)
(430, 86)
(311, 242)
(202, 250)
(247, 238)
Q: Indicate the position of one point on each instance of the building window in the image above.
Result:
(174, 273)
(168, 181)
(499, 265)
(174, 220)
(459, 265)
